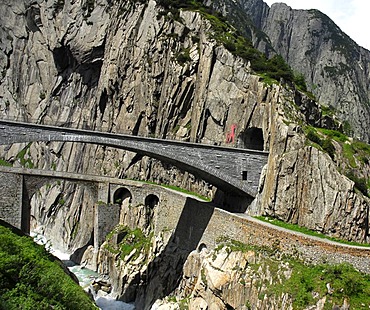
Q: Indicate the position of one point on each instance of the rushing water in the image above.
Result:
(85, 277)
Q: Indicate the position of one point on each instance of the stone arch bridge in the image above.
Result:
(19, 185)
(233, 170)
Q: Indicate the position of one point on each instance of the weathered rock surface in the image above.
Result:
(335, 67)
(233, 279)
(121, 67)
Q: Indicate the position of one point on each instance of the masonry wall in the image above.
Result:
(199, 223)
(11, 198)
(106, 218)
(230, 169)
(195, 222)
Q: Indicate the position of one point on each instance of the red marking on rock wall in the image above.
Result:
(230, 136)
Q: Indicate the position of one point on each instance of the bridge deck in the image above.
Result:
(233, 170)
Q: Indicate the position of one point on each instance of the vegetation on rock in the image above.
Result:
(30, 278)
(353, 156)
(274, 68)
(128, 241)
(306, 284)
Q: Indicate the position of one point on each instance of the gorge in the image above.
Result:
(170, 70)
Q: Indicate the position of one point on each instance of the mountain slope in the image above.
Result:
(142, 68)
(335, 67)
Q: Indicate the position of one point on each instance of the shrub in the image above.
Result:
(300, 81)
(313, 136)
(328, 147)
(130, 240)
(360, 183)
(183, 56)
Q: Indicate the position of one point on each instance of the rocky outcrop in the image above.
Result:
(309, 172)
(335, 67)
(237, 278)
(302, 184)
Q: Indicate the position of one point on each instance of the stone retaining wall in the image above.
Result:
(199, 223)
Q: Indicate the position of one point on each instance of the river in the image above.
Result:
(85, 277)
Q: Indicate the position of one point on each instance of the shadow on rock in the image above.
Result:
(165, 271)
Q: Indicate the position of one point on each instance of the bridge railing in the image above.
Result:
(74, 124)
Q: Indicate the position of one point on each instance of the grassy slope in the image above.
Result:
(30, 278)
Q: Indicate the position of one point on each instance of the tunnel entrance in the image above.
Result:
(251, 138)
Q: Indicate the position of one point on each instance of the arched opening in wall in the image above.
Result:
(58, 208)
(151, 201)
(251, 138)
(46, 201)
(202, 247)
(122, 196)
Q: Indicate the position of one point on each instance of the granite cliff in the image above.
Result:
(336, 69)
(137, 67)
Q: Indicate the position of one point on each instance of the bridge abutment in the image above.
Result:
(11, 199)
(106, 217)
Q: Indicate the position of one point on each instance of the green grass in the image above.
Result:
(324, 144)
(362, 146)
(178, 189)
(30, 278)
(5, 163)
(306, 231)
(345, 282)
(350, 149)
(233, 245)
(329, 111)
(21, 156)
(334, 134)
(267, 80)
(182, 190)
(355, 156)
(349, 153)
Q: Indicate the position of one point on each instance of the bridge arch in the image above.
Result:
(235, 171)
(122, 195)
(202, 247)
(151, 201)
(46, 200)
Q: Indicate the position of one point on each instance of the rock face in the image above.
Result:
(335, 67)
(233, 279)
(124, 67)
(130, 67)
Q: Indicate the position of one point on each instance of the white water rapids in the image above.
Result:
(85, 277)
